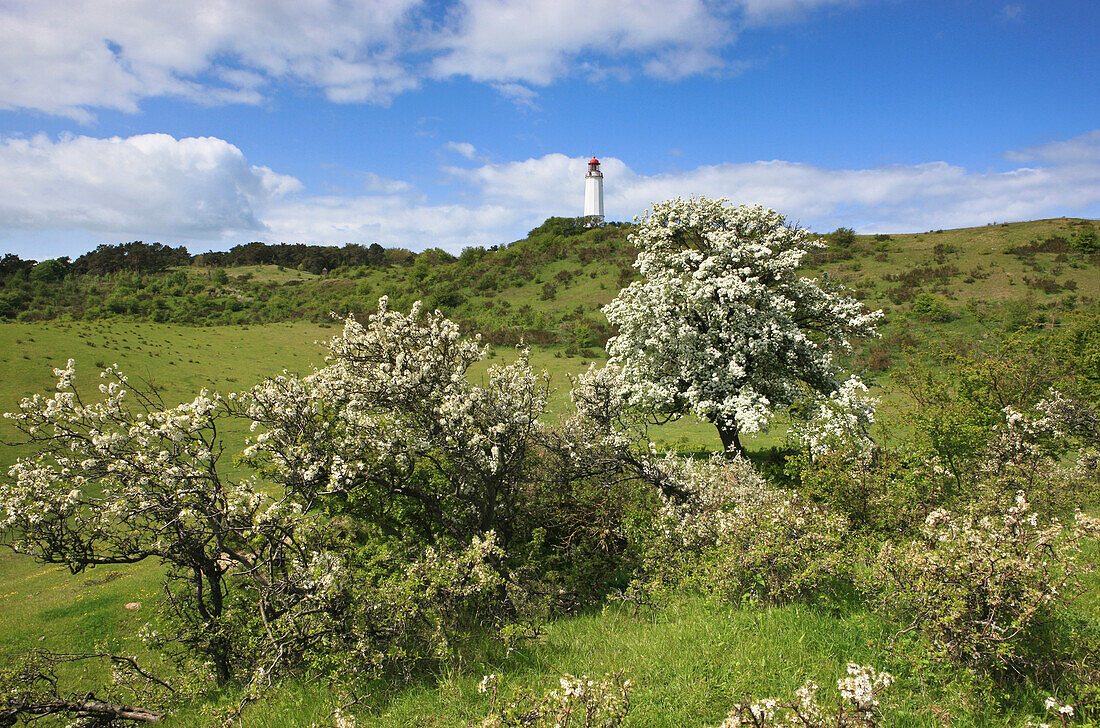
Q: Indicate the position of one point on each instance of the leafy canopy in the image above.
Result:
(721, 324)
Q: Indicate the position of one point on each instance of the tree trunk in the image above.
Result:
(731, 443)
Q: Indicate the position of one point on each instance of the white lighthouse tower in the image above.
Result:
(593, 190)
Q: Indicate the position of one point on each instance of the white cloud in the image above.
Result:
(204, 192)
(391, 221)
(376, 183)
(894, 198)
(65, 56)
(1084, 148)
(1012, 11)
(511, 198)
(68, 57)
(150, 185)
(537, 42)
(464, 149)
(518, 94)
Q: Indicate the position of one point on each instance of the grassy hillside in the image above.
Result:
(547, 288)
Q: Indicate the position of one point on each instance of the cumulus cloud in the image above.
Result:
(1084, 148)
(205, 193)
(896, 198)
(391, 221)
(69, 57)
(536, 42)
(150, 185)
(520, 95)
(893, 198)
(65, 56)
(376, 183)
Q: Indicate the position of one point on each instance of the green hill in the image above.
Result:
(547, 288)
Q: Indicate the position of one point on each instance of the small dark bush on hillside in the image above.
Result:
(842, 237)
(940, 251)
(1044, 283)
(932, 308)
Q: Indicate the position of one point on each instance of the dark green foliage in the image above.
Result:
(312, 258)
(842, 237)
(932, 308)
(137, 257)
(50, 271)
(912, 281)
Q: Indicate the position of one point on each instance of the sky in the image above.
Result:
(450, 123)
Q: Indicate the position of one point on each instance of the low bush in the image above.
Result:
(987, 587)
(730, 536)
(581, 702)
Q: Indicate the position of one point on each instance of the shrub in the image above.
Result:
(889, 492)
(842, 237)
(579, 702)
(987, 586)
(731, 537)
(932, 308)
(403, 508)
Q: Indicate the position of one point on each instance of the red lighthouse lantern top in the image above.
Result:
(594, 160)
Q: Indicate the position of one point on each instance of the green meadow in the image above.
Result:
(943, 291)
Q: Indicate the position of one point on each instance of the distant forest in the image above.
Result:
(140, 257)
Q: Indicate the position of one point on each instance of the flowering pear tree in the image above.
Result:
(722, 325)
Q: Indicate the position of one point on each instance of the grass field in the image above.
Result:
(692, 661)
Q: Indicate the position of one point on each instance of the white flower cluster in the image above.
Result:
(730, 536)
(840, 421)
(118, 477)
(721, 325)
(862, 685)
(395, 389)
(715, 491)
(578, 701)
(858, 706)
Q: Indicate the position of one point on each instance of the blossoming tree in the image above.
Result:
(721, 324)
(395, 504)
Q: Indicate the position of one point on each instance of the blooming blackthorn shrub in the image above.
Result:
(987, 587)
(733, 537)
(396, 508)
(578, 702)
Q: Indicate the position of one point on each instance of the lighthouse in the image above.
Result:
(593, 190)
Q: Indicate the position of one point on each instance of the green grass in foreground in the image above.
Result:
(690, 662)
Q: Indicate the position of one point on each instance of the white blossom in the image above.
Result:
(721, 325)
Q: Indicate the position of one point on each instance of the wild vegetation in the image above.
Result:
(424, 530)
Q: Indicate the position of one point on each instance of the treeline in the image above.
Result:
(141, 257)
(135, 257)
(159, 283)
(313, 258)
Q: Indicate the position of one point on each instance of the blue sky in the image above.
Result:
(459, 122)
